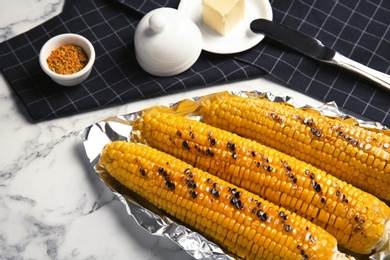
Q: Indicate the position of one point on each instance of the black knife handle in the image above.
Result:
(293, 39)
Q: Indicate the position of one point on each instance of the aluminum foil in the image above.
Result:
(150, 218)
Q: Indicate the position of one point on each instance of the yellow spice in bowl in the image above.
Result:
(67, 59)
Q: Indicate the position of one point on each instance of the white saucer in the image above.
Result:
(240, 38)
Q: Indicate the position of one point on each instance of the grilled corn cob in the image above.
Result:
(240, 221)
(354, 154)
(356, 218)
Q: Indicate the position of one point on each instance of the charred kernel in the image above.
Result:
(234, 155)
(308, 122)
(212, 141)
(259, 213)
(231, 146)
(253, 153)
(313, 130)
(281, 214)
(178, 133)
(186, 145)
(233, 191)
(288, 228)
(357, 229)
(161, 169)
(307, 172)
(142, 171)
(322, 200)
(258, 164)
(342, 197)
(295, 180)
(239, 204)
(214, 192)
(187, 171)
(193, 195)
(187, 180)
(337, 193)
(233, 201)
(312, 176)
(264, 217)
(209, 180)
(211, 153)
(287, 173)
(191, 174)
(238, 194)
(254, 211)
(170, 185)
(269, 168)
(192, 184)
(317, 187)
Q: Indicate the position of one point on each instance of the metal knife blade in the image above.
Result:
(315, 49)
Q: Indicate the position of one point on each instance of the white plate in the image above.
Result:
(240, 38)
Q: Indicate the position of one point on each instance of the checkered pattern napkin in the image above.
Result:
(356, 29)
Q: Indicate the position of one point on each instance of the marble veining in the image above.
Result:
(19, 16)
(52, 204)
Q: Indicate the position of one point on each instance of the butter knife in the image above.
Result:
(315, 49)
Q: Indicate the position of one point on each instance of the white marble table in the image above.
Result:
(52, 204)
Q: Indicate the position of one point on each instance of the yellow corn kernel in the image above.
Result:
(170, 176)
(273, 175)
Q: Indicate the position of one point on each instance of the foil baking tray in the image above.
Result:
(149, 217)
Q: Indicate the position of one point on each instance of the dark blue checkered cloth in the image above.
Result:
(357, 29)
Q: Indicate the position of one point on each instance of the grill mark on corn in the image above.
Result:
(227, 217)
(270, 174)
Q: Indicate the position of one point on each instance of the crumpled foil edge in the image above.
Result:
(155, 222)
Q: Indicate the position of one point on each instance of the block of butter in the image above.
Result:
(223, 15)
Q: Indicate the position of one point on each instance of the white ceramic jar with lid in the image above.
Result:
(167, 42)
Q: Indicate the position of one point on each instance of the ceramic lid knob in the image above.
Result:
(167, 42)
(157, 22)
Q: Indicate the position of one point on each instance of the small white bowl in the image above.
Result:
(63, 39)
